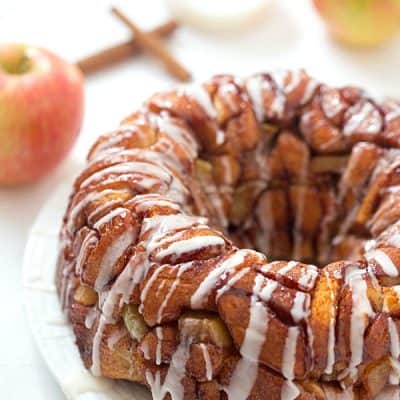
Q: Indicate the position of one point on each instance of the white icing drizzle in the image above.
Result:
(330, 360)
(310, 334)
(254, 87)
(208, 283)
(144, 346)
(267, 267)
(235, 278)
(289, 389)
(280, 76)
(161, 225)
(368, 113)
(100, 154)
(246, 370)
(159, 334)
(114, 138)
(308, 277)
(178, 134)
(114, 338)
(196, 243)
(154, 171)
(395, 111)
(294, 82)
(278, 104)
(100, 208)
(394, 189)
(295, 78)
(226, 91)
(219, 136)
(312, 85)
(90, 241)
(162, 154)
(288, 267)
(360, 311)
(266, 292)
(119, 211)
(165, 154)
(394, 377)
(150, 282)
(332, 105)
(113, 253)
(173, 380)
(384, 261)
(90, 318)
(160, 288)
(141, 181)
(390, 236)
(181, 269)
(394, 240)
(200, 94)
(66, 285)
(132, 167)
(96, 347)
(301, 307)
(87, 199)
(134, 272)
(167, 239)
(207, 361)
(369, 245)
(145, 201)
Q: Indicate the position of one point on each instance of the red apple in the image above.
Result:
(41, 109)
(361, 22)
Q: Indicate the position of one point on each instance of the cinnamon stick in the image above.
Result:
(120, 52)
(150, 43)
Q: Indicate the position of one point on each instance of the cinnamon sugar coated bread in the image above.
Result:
(174, 264)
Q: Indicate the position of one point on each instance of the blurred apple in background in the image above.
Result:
(41, 109)
(361, 22)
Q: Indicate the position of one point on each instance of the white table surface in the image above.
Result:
(291, 36)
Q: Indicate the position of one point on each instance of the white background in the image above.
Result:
(290, 36)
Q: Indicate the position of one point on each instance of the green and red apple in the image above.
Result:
(361, 22)
(41, 109)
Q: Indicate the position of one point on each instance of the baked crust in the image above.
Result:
(154, 273)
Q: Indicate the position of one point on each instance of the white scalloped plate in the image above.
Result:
(50, 329)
